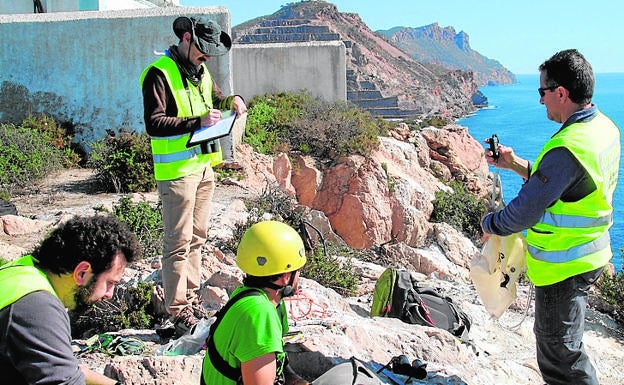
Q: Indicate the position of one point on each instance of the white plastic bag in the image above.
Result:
(496, 270)
(191, 342)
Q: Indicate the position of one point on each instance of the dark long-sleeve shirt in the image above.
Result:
(35, 342)
(559, 176)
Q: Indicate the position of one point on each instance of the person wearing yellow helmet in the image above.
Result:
(246, 341)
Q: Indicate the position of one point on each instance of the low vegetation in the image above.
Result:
(144, 219)
(31, 151)
(459, 209)
(129, 308)
(123, 162)
(277, 122)
(297, 122)
(612, 292)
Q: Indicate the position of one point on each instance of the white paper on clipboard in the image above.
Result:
(216, 131)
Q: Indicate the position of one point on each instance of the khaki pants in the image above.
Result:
(186, 204)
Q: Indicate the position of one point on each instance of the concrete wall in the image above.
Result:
(318, 67)
(83, 67)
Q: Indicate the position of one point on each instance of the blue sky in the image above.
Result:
(520, 34)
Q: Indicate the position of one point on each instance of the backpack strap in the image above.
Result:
(422, 310)
(217, 361)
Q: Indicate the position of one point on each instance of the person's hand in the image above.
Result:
(485, 237)
(508, 160)
(238, 105)
(505, 158)
(211, 118)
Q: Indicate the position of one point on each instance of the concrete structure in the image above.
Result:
(293, 29)
(83, 68)
(28, 6)
(317, 67)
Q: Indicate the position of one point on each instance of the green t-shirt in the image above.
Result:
(251, 328)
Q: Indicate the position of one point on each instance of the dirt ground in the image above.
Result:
(73, 192)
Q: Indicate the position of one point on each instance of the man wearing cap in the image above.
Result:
(180, 96)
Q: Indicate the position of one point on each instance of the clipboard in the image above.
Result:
(216, 131)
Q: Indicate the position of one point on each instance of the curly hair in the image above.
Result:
(94, 239)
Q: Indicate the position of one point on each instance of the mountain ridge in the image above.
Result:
(373, 61)
(443, 46)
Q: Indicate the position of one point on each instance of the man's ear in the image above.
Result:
(82, 273)
(564, 94)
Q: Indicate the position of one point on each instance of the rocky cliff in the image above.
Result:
(443, 46)
(381, 77)
(350, 201)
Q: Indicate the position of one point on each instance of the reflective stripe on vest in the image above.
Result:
(559, 256)
(572, 237)
(575, 221)
(19, 278)
(172, 159)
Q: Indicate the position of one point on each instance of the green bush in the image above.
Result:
(612, 292)
(331, 272)
(349, 129)
(26, 157)
(261, 131)
(459, 209)
(389, 182)
(123, 163)
(434, 121)
(144, 220)
(57, 135)
(284, 121)
(129, 308)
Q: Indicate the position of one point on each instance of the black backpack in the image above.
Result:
(398, 295)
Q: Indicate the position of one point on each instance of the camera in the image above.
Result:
(494, 146)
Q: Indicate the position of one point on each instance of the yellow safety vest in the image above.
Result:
(19, 278)
(172, 159)
(572, 238)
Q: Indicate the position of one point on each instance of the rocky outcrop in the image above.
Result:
(328, 328)
(388, 196)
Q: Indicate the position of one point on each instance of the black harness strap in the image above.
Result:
(217, 361)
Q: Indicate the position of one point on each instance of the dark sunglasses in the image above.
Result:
(542, 90)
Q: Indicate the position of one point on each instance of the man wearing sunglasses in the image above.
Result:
(179, 97)
(566, 207)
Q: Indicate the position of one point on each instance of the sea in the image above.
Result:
(516, 116)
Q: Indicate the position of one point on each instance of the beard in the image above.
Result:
(82, 294)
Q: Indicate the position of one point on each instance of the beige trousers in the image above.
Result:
(186, 204)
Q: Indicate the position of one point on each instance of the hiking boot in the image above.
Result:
(184, 321)
(166, 329)
(199, 310)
